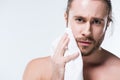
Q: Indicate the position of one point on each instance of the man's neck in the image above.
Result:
(97, 57)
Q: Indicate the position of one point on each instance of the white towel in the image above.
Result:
(74, 68)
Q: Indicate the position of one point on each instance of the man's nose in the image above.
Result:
(87, 30)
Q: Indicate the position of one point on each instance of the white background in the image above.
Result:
(27, 28)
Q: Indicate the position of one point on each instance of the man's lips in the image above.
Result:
(84, 43)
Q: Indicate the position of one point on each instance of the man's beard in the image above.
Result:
(96, 45)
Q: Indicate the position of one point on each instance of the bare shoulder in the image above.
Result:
(111, 69)
(37, 69)
(114, 62)
(113, 59)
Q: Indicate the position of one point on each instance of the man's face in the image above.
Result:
(88, 19)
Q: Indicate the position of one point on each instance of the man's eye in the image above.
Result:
(96, 21)
(80, 20)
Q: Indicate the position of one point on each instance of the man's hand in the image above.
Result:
(59, 61)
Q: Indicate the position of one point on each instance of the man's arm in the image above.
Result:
(36, 69)
(31, 71)
(50, 68)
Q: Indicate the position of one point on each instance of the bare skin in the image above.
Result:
(41, 69)
(89, 23)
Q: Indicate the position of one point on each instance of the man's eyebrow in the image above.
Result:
(101, 19)
(95, 18)
(79, 17)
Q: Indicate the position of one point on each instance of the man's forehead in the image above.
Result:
(94, 8)
(84, 2)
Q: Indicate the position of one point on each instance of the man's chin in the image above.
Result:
(87, 51)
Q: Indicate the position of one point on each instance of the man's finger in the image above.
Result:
(71, 57)
(64, 47)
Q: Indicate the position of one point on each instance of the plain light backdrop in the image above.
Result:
(28, 27)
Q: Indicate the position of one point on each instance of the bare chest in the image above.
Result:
(101, 74)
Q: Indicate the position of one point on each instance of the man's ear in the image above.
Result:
(66, 17)
(108, 23)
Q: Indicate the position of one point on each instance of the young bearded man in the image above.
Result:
(89, 20)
